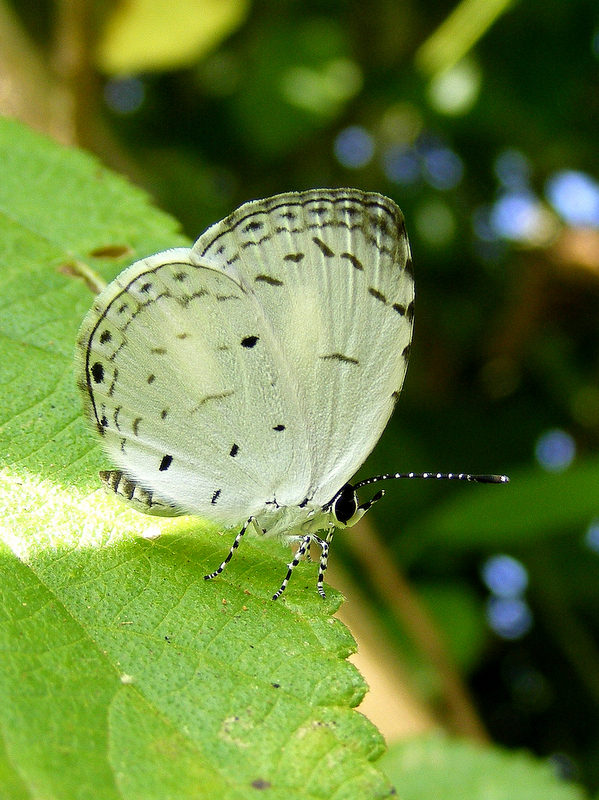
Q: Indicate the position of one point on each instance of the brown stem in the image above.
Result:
(411, 614)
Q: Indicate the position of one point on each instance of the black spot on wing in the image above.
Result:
(135, 426)
(295, 257)
(145, 288)
(151, 378)
(210, 397)
(410, 311)
(234, 450)
(251, 243)
(340, 357)
(97, 372)
(112, 386)
(105, 336)
(253, 225)
(279, 428)
(401, 309)
(268, 279)
(165, 463)
(249, 341)
(376, 294)
(355, 262)
(406, 351)
(215, 496)
(381, 223)
(409, 267)
(324, 248)
(164, 413)
(185, 299)
(158, 351)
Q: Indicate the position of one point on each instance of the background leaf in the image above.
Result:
(147, 35)
(436, 767)
(534, 505)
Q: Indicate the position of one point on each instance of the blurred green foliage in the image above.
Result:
(506, 347)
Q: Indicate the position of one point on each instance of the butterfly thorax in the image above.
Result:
(295, 521)
(288, 522)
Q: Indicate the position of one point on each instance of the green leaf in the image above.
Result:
(436, 767)
(458, 613)
(152, 35)
(532, 506)
(123, 674)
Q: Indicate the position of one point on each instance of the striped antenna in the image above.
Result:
(445, 476)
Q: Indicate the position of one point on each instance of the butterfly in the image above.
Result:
(247, 378)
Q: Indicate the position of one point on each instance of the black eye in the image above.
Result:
(345, 504)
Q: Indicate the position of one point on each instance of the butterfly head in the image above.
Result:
(346, 510)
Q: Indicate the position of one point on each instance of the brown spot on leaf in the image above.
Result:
(111, 251)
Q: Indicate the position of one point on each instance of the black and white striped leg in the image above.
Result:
(234, 547)
(324, 545)
(301, 552)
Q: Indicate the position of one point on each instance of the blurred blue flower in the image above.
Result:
(401, 165)
(354, 147)
(512, 169)
(555, 450)
(592, 535)
(575, 196)
(509, 618)
(443, 168)
(505, 576)
(516, 216)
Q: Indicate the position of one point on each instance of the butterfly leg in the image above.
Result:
(234, 547)
(301, 552)
(324, 545)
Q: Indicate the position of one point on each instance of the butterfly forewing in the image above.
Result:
(331, 274)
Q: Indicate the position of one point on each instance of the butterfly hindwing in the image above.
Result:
(184, 386)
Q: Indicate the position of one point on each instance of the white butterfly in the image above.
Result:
(247, 378)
